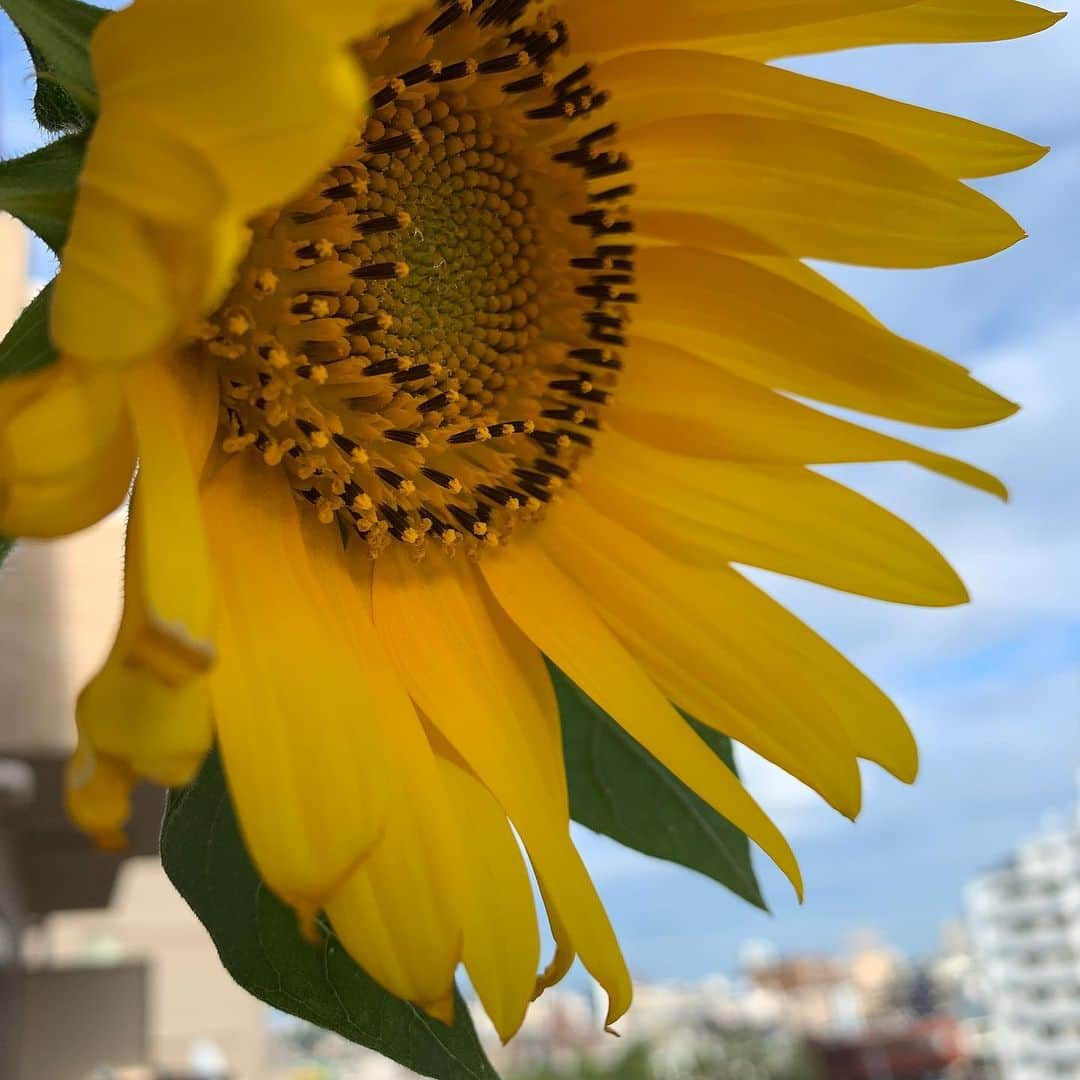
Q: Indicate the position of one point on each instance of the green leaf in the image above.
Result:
(257, 938)
(6, 546)
(619, 789)
(27, 347)
(39, 189)
(58, 33)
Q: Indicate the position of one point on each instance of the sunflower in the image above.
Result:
(452, 337)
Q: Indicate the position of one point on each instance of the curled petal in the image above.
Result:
(66, 450)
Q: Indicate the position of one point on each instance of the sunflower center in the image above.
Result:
(426, 339)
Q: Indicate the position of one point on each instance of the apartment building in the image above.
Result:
(1025, 926)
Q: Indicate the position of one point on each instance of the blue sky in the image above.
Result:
(993, 689)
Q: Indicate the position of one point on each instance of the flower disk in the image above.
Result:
(426, 339)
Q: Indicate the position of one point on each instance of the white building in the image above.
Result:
(1025, 924)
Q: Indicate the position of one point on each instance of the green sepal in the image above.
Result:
(57, 34)
(26, 346)
(39, 189)
(619, 789)
(257, 938)
(54, 107)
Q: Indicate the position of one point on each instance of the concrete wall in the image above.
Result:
(59, 609)
(192, 999)
(14, 259)
(59, 1024)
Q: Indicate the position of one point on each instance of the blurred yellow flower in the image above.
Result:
(451, 336)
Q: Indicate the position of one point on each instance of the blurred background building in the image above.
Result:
(1025, 921)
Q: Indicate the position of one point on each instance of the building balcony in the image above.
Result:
(1010, 940)
(1023, 1012)
(990, 909)
(1055, 1051)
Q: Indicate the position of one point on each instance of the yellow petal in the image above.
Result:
(267, 99)
(561, 622)
(601, 26)
(564, 956)
(400, 912)
(926, 22)
(66, 450)
(408, 599)
(479, 681)
(706, 656)
(292, 691)
(160, 731)
(141, 168)
(174, 410)
(97, 792)
(692, 230)
(815, 191)
(734, 658)
(113, 299)
(666, 83)
(575, 907)
(782, 518)
(678, 402)
(502, 939)
(762, 327)
(701, 230)
(357, 22)
(197, 132)
(798, 273)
